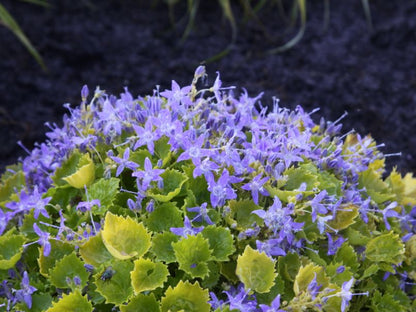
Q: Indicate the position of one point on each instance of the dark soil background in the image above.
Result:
(369, 74)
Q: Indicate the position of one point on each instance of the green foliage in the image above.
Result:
(185, 297)
(10, 249)
(141, 303)
(63, 273)
(385, 248)
(192, 254)
(124, 238)
(256, 270)
(105, 190)
(148, 275)
(220, 242)
(164, 217)
(114, 282)
(172, 184)
(72, 302)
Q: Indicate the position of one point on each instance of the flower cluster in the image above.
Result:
(196, 200)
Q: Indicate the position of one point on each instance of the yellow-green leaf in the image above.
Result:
(186, 297)
(148, 275)
(11, 249)
(94, 251)
(124, 238)
(385, 248)
(84, 175)
(72, 302)
(256, 270)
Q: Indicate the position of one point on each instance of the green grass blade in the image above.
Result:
(367, 12)
(192, 9)
(7, 20)
(299, 35)
(43, 3)
(327, 13)
(228, 13)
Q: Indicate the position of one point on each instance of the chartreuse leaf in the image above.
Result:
(164, 217)
(186, 297)
(72, 302)
(241, 215)
(162, 246)
(172, 185)
(10, 186)
(124, 238)
(148, 275)
(192, 254)
(338, 278)
(302, 174)
(115, 287)
(344, 217)
(11, 249)
(213, 276)
(385, 248)
(198, 186)
(94, 251)
(347, 256)
(409, 189)
(105, 190)
(385, 302)
(84, 175)
(411, 250)
(288, 266)
(306, 274)
(64, 271)
(162, 150)
(67, 168)
(371, 270)
(372, 181)
(220, 242)
(59, 249)
(141, 303)
(256, 270)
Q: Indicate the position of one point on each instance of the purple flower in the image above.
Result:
(333, 246)
(29, 201)
(388, 212)
(317, 206)
(87, 205)
(346, 294)
(256, 186)
(274, 307)
(202, 214)
(146, 136)
(148, 174)
(25, 293)
(194, 150)
(313, 287)
(237, 299)
(5, 217)
(221, 190)
(124, 162)
(177, 95)
(187, 229)
(43, 240)
(271, 247)
(110, 118)
(205, 167)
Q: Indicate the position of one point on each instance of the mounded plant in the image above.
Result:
(194, 199)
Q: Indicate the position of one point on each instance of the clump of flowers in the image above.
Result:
(193, 199)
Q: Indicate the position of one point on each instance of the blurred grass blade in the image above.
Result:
(299, 35)
(326, 14)
(226, 8)
(228, 13)
(367, 12)
(43, 3)
(7, 20)
(192, 9)
(259, 5)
